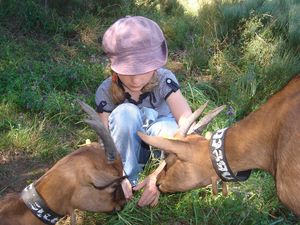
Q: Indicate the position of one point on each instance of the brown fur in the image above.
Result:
(267, 139)
(68, 186)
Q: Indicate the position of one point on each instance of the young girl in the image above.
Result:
(140, 95)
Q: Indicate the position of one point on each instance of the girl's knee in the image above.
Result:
(166, 128)
(126, 116)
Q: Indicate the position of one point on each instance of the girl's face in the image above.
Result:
(135, 83)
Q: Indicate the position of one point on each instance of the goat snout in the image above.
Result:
(119, 207)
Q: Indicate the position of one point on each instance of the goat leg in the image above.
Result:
(214, 183)
(224, 188)
(73, 218)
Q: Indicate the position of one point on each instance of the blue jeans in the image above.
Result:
(124, 122)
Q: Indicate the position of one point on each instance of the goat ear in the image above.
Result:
(101, 179)
(175, 146)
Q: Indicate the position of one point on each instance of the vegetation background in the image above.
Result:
(234, 52)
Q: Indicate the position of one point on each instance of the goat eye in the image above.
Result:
(114, 186)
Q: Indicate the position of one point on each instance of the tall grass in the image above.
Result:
(230, 52)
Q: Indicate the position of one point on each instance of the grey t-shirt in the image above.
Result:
(155, 99)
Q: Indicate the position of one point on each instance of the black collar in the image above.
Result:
(219, 161)
(38, 206)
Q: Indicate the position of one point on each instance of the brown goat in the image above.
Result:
(87, 179)
(267, 139)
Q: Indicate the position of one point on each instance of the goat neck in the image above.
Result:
(53, 189)
(248, 145)
(269, 139)
(259, 140)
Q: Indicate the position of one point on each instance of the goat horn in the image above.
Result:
(200, 126)
(183, 130)
(97, 125)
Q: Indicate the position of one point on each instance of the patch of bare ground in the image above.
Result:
(18, 170)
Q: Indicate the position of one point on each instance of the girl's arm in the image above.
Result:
(179, 107)
(104, 118)
(151, 193)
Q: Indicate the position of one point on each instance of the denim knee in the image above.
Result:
(164, 127)
(126, 117)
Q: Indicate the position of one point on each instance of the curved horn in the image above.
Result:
(183, 130)
(200, 126)
(95, 122)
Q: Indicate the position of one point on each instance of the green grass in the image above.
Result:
(251, 202)
(236, 53)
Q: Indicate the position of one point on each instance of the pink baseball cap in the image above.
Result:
(135, 45)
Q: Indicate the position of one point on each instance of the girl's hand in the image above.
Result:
(151, 194)
(127, 189)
